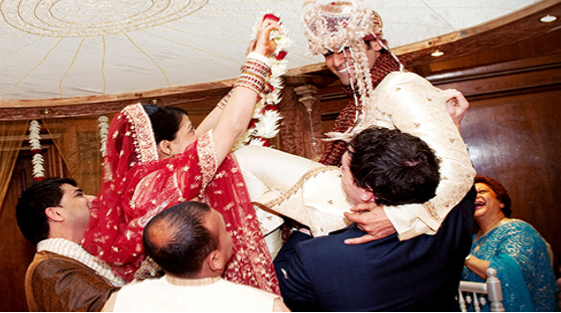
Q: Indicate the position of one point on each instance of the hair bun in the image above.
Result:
(150, 108)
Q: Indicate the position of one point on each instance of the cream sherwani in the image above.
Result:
(311, 193)
(171, 294)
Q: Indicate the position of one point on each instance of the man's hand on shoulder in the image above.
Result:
(371, 218)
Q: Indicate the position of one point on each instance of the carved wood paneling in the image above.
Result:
(520, 26)
(295, 135)
(88, 106)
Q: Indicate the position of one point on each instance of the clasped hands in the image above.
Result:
(371, 218)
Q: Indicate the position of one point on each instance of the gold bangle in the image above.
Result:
(224, 101)
(253, 76)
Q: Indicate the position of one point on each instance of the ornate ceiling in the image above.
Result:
(60, 49)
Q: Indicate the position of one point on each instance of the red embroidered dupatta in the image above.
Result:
(136, 186)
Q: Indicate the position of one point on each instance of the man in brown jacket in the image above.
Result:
(53, 215)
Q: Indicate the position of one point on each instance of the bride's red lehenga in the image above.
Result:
(136, 186)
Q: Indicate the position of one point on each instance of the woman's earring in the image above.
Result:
(171, 154)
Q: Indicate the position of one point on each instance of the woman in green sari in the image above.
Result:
(512, 247)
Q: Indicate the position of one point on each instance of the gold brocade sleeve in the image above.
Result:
(411, 104)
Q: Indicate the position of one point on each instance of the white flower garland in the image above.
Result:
(35, 143)
(103, 132)
(266, 117)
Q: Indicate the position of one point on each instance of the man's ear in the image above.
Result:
(367, 196)
(55, 213)
(216, 262)
(375, 45)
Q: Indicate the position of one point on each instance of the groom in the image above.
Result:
(349, 35)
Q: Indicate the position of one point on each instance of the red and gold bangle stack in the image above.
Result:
(257, 67)
(254, 74)
(224, 101)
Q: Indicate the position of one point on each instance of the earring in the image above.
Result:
(171, 154)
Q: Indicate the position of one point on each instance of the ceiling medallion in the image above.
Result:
(87, 18)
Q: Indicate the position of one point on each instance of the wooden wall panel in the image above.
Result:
(513, 127)
(16, 252)
(516, 139)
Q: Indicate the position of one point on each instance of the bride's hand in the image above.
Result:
(263, 44)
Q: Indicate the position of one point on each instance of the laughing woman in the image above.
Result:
(512, 247)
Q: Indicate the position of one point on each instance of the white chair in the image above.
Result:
(491, 288)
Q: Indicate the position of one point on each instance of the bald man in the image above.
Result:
(190, 243)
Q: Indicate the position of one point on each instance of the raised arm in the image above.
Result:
(416, 107)
(230, 123)
(210, 120)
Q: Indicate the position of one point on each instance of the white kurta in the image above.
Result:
(168, 294)
(311, 193)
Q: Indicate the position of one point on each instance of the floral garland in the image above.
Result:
(35, 143)
(103, 132)
(265, 122)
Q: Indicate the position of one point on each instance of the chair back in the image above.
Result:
(472, 292)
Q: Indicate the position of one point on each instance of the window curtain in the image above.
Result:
(12, 137)
(79, 143)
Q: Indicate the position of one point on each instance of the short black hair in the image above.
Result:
(186, 243)
(397, 167)
(30, 210)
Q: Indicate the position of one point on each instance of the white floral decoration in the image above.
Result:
(38, 169)
(35, 143)
(103, 132)
(266, 111)
(34, 135)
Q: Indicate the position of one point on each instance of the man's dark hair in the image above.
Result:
(177, 239)
(30, 210)
(397, 167)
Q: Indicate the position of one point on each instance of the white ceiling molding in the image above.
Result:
(60, 49)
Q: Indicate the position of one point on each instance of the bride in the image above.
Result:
(156, 159)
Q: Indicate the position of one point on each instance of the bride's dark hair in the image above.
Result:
(165, 121)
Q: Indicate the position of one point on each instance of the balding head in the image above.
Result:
(178, 239)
